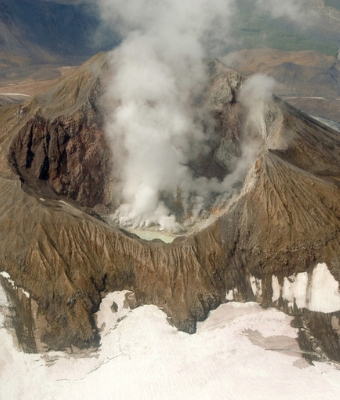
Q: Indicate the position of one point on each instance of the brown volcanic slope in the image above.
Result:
(286, 220)
(38, 38)
(308, 80)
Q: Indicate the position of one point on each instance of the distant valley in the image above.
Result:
(39, 38)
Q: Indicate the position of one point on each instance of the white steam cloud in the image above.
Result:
(255, 94)
(158, 73)
(154, 121)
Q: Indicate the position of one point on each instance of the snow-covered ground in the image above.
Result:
(3, 306)
(7, 276)
(237, 353)
(319, 292)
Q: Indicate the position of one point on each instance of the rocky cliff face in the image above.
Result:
(63, 145)
(66, 154)
(285, 221)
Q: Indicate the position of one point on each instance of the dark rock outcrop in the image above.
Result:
(68, 151)
(67, 154)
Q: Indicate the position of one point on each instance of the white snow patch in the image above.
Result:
(318, 293)
(5, 275)
(295, 289)
(3, 297)
(276, 289)
(300, 289)
(146, 358)
(324, 291)
(256, 286)
(25, 293)
(3, 305)
(231, 294)
(287, 292)
(106, 317)
(8, 277)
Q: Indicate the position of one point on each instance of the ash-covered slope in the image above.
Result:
(284, 222)
(290, 197)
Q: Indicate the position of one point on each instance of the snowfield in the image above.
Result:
(320, 292)
(241, 351)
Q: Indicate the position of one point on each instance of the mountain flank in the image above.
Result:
(56, 247)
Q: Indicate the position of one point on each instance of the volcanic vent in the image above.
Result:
(209, 171)
(69, 155)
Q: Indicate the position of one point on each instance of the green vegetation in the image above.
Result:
(259, 30)
(282, 41)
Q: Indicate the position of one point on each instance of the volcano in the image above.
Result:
(275, 241)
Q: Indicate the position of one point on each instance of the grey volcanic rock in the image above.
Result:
(229, 115)
(285, 221)
(225, 84)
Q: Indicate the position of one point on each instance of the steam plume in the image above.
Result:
(158, 73)
(255, 94)
(154, 123)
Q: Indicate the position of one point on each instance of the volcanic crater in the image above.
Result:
(57, 184)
